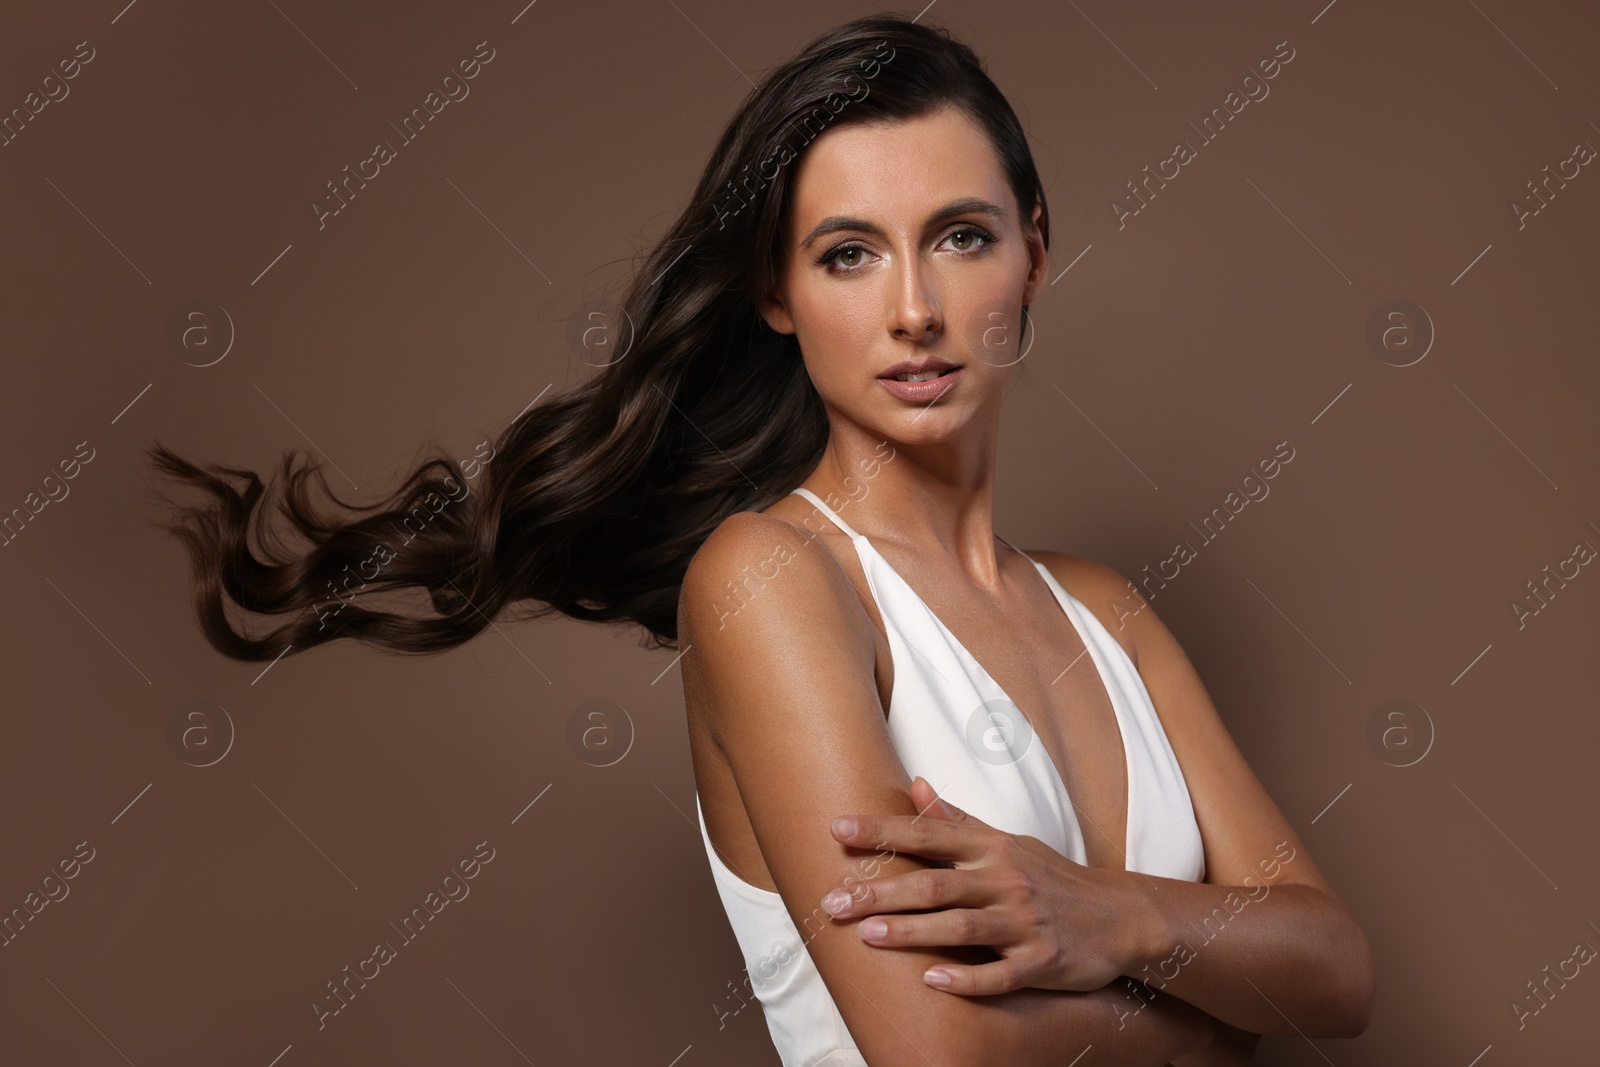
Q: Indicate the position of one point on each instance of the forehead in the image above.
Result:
(896, 171)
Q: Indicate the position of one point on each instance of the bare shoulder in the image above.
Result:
(766, 568)
(1112, 598)
(762, 599)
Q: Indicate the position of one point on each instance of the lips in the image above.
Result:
(929, 365)
(927, 392)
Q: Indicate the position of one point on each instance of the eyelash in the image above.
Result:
(829, 259)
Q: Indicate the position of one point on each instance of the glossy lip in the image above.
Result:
(924, 392)
(919, 366)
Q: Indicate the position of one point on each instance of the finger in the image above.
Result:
(930, 887)
(933, 838)
(983, 980)
(955, 926)
(929, 802)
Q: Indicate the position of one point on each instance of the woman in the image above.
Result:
(788, 474)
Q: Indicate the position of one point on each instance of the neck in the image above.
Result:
(927, 498)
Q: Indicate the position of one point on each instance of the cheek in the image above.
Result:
(988, 325)
(841, 326)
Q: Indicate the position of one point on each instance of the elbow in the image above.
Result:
(1363, 1000)
(1356, 991)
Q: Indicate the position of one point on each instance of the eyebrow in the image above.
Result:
(966, 205)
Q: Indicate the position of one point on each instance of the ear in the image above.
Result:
(776, 313)
(1038, 257)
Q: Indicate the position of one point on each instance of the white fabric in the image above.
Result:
(952, 723)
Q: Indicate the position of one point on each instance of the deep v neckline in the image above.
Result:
(1062, 598)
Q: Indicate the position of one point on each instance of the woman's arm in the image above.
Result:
(1264, 943)
(786, 688)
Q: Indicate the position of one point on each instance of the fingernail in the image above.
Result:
(873, 928)
(844, 827)
(835, 901)
(934, 976)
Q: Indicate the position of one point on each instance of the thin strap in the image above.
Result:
(1017, 550)
(833, 516)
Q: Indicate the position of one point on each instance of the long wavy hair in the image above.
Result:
(592, 503)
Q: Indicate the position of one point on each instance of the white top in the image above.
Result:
(952, 723)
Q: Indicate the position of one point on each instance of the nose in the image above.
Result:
(916, 309)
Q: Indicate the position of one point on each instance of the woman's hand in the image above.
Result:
(1055, 923)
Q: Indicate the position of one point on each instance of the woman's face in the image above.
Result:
(904, 244)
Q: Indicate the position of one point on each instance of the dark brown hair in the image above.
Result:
(593, 502)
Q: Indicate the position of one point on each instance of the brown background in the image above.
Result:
(1228, 316)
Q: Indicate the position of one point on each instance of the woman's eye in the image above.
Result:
(830, 260)
(971, 233)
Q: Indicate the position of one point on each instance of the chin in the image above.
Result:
(927, 426)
